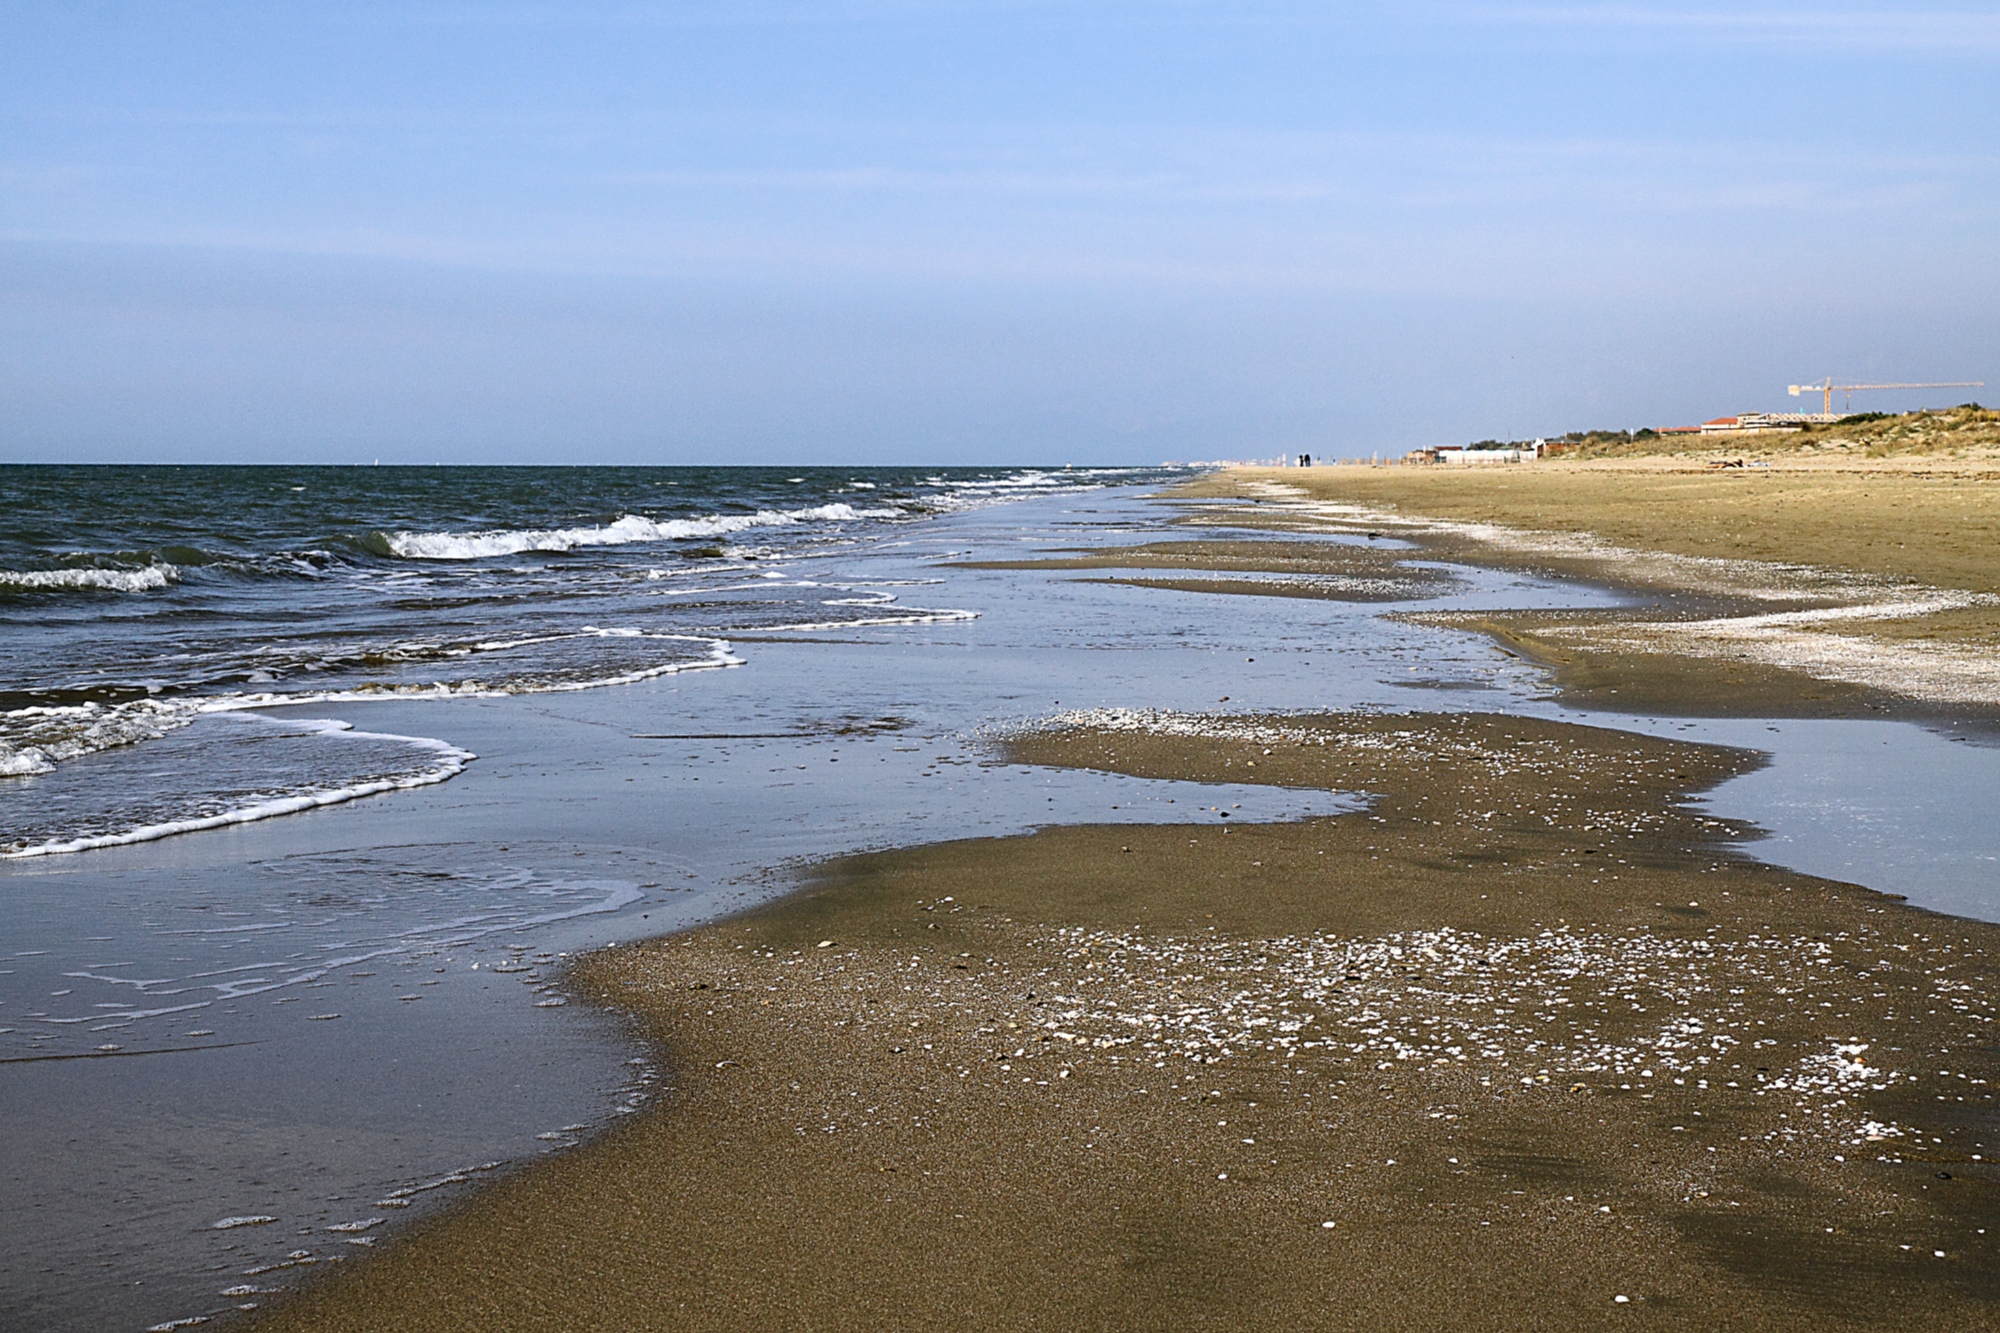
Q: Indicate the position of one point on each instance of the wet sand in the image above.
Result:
(1530, 1034)
(1266, 568)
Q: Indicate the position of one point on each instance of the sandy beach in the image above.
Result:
(1531, 1042)
(1808, 586)
(1527, 1037)
(999, 668)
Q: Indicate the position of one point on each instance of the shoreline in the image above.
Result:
(1111, 1077)
(1324, 1073)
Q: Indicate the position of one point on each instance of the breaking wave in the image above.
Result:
(622, 532)
(143, 579)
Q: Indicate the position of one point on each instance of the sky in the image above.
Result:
(900, 231)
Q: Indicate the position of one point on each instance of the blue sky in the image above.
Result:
(956, 232)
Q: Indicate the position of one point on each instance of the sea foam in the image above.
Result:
(448, 762)
(34, 740)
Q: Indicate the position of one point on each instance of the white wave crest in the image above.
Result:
(623, 532)
(105, 580)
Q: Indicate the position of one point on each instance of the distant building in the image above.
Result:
(1472, 457)
(1483, 453)
(1745, 422)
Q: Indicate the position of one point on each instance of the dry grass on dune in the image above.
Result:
(1964, 432)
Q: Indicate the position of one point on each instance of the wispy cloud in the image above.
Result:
(1964, 31)
(1901, 27)
(1061, 203)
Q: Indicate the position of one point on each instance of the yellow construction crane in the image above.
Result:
(1829, 388)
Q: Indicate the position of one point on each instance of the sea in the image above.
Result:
(138, 602)
(313, 779)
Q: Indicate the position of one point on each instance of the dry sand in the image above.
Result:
(1529, 1035)
(1798, 588)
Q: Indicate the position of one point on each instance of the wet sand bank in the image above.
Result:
(1530, 1033)
(1268, 568)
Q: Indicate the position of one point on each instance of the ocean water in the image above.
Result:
(138, 602)
(250, 1018)
(313, 791)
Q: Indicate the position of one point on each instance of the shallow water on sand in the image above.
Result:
(1898, 807)
(317, 1018)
